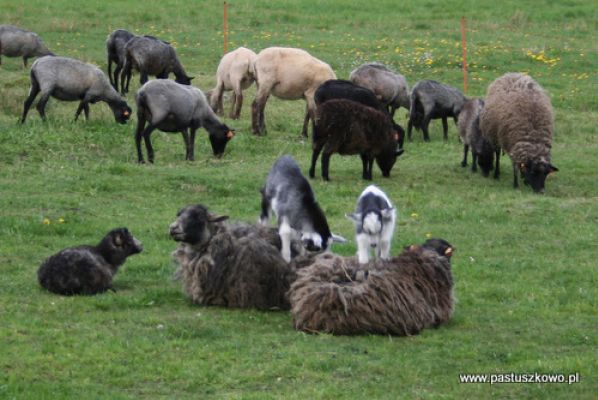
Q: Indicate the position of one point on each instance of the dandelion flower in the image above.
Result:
(414, 215)
(46, 221)
(428, 235)
(61, 220)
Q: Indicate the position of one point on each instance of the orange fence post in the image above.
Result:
(225, 28)
(464, 45)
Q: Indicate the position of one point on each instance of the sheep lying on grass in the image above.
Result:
(289, 74)
(391, 88)
(482, 151)
(88, 269)
(115, 50)
(400, 296)
(73, 80)
(347, 127)
(17, 42)
(235, 72)
(232, 265)
(518, 117)
(172, 107)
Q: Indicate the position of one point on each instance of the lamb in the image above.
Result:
(151, 56)
(68, 79)
(346, 127)
(343, 89)
(18, 42)
(231, 264)
(374, 219)
(401, 296)
(433, 100)
(518, 117)
(235, 72)
(172, 107)
(115, 50)
(290, 196)
(88, 269)
(390, 88)
(482, 151)
(289, 74)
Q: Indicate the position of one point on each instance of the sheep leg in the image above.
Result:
(363, 248)
(325, 165)
(265, 215)
(367, 164)
(148, 143)
(192, 144)
(138, 136)
(24, 62)
(125, 78)
(188, 155)
(285, 232)
(497, 165)
(117, 72)
(425, 124)
(465, 150)
(83, 106)
(474, 162)
(314, 159)
(445, 128)
(32, 94)
(142, 78)
(257, 116)
(237, 104)
(306, 121)
(515, 180)
(409, 128)
(41, 105)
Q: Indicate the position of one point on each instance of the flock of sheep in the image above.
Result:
(290, 267)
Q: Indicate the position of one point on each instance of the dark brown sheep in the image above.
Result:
(400, 296)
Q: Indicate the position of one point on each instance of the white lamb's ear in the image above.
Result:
(217, 218)
(338, 239)
(354, 217)
(387, 213)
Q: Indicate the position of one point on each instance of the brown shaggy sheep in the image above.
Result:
(400, 296)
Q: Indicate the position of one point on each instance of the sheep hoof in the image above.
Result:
(463, 163)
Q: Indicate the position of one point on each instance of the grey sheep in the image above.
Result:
(115, 51)
(482, 151)
(433, 100)
(232, 264)
(400, 296)
(88, 269)
(390, 87)
(18, 42)
(172, 107)
(518, 118)
(151, 56)
(68, 79)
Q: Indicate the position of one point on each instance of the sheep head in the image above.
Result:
(534, 173)
(194, 225)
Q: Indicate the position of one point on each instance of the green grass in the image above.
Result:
(525, 269)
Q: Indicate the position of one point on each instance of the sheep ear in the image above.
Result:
(230, 134)
(118, 240)
(552, 169)
(522, 167)
(217, 218)
(354, 217)
(387, 213)
(413, 247)
(338, 239)
(448, 252)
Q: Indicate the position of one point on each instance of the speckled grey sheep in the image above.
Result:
(18, 42)
(518, 118)
(390, 88)
(482, 151)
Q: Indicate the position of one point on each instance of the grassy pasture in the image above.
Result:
(525, 268)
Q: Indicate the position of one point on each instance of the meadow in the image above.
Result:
(525, 272)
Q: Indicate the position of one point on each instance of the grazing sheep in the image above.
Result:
(374, 219)
(290, 196)
(347, 127)
(88, 269)
(518, 117)
(17, 42)
(391, 88)
(68, 79)
(231, 265)
(172, 107)
(482, 151)
(342, 89)
(289, 74)
(433, 100)
(151, 56)
(235, 72)
(400, 296)
(115, 50)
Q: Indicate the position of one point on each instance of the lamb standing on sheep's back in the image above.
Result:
(518, 117)
(400, 296)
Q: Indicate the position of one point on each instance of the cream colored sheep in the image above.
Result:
(289, 74)
(235, 72)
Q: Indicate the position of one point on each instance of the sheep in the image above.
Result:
(400, 296)
(289, 74)
(232, 264)
(482, 151)
(87, 269)
(172, 107)
(433, 100)
(390, 88)
(347, 127)
(18, 42)
(151, 56)
(374, 218)
(518, 118)
(68, 79)
(343, 89)
(115, 50)
(290, 196)
(235, 72)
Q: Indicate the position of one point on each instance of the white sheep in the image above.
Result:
(289, 74)
(235, 72)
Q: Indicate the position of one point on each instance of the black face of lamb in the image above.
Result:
(183, 79)
(441, 246)
(219, 140)
(386, 160)
(486, 161)
(534, 174)
(118, 244)
(190, 225)
(122, 113)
